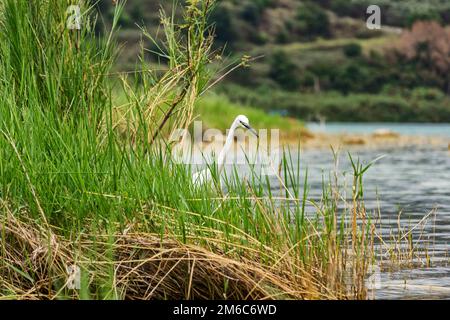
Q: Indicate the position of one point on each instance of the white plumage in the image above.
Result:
(205, 176)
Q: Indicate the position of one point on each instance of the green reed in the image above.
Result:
(79, 165)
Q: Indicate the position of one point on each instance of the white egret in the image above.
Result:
(205, 176)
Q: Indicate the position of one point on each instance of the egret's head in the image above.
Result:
(244, 123)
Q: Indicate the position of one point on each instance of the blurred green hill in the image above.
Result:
(319, 58)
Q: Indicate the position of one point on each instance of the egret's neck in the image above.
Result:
(227, 146)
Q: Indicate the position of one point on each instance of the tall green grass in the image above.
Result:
(55, 98)
(84, 182)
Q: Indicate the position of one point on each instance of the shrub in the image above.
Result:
(352, 50)
(222, 18)
(284, 71)
(313, 21)
(251, 12)
(431, 94)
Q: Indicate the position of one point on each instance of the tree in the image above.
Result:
(352, 50)
(251, 12)
(427, 45)
(226, 31)
(313, 21)
(430, 15)
(284, 71)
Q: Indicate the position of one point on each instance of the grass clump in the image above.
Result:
(47, 64)
(87, 183)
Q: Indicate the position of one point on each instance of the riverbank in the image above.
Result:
(367, 141)
(309, 140)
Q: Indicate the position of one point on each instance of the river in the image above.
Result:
(413, 181)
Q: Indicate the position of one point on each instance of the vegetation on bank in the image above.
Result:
(86, 183)
(419, 105)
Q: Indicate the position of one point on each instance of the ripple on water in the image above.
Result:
(413, 181)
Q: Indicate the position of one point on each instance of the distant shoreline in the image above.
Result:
(368, 141)
(376, 135)
(317, 141)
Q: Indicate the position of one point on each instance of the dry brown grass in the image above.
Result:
(154, 269)
(32, 257)
(34, 261)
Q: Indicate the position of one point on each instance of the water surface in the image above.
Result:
(405, 186)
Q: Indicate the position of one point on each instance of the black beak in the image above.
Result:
(249, 128)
